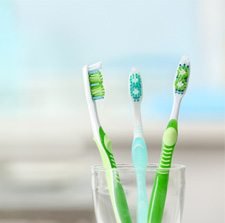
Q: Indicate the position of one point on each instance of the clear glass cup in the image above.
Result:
(102, 202)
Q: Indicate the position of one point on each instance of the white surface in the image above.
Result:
(204, 200)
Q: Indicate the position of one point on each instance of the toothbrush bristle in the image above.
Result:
(135, 86)
(96, 84)
(182, 76)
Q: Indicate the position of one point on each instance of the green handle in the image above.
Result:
(158, 198)
(159, 191)
(117, 194)
(121, 201)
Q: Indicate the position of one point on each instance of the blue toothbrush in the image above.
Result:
(139, 148)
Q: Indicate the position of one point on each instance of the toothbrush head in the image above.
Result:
(182, 76)
(135, 85)
(96, 81)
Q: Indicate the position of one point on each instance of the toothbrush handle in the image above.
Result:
(158, 198)
(140, 161)
(121, 200)
(142, 208)
(159, 191)
(116, 191)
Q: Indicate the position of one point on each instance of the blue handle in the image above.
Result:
(139, 153)
(140, 162)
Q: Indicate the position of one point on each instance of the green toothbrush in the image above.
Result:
(94, 90)
(159, 191)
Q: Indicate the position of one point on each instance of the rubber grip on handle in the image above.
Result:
(117, 193)
(159, 191)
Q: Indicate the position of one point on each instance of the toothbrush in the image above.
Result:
(94, 90)
(139, 148)
(159, 191)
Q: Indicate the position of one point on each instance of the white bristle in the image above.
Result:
(134, 70)
(95, 66)
(185, 60)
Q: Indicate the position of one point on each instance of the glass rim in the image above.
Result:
(130, 167)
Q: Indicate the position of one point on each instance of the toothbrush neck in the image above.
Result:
(138, 130)
(176, 107)
(96, 113)
(95, 123)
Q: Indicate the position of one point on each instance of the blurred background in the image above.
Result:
(46, 146)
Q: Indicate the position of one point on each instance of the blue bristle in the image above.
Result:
(135, 87)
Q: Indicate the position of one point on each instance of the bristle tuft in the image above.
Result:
(182, 76)
(96, 84)
(135, 86)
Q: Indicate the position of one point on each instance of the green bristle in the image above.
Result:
(135, 87)
(96, 84)
(181, 81)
